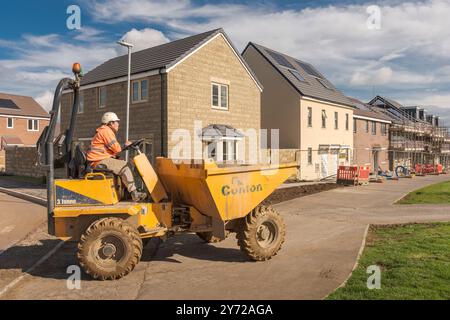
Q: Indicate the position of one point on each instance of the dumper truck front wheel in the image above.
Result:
(109, 249)
(261, 233)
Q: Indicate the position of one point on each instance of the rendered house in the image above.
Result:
(200, 85)
(370, 137)
(313, 117)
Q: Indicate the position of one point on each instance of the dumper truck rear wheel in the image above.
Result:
(261, 234)
(109, 249)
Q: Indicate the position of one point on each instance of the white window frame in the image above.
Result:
(140, 99)
(336, 120)
(7, 123)
(324, 119)
(33, 128)
(220, 85)
(309, 117)
(100, 99)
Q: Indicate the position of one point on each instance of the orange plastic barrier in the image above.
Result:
(347, 175)
(419, 169)
(363, 174)
(439, 169)
(353, 175)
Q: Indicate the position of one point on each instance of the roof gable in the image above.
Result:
(303, 76)
(165, 56)
(366, 110)
(16, 105)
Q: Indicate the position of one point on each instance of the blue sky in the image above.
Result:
(406, 59)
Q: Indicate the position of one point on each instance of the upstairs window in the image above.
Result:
(346, 121)
(383, 129)
(219, 96)
(139, 91)
(324, 119)
(336, 120)
(10, 123)
(354, 125)
(309, 117)
(367, 126)
(102, 97)
(374, 128)
(33, 125)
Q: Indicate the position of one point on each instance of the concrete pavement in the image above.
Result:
(324, 235)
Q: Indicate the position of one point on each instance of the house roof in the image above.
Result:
(313, 85)
(365, 110)
(10, 140)
(163, 56)
(215, 131)
(16, 105)
(392, 109)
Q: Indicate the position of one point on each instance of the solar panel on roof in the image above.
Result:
(281, 60)
(309, 69)
(325, 84)
(297, 75)
(8, 104)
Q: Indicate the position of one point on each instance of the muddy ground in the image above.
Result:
(286, 194)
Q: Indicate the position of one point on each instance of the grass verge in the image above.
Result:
(435, 194)
(414, 260)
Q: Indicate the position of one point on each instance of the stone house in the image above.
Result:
(196, 91)
(314, 118)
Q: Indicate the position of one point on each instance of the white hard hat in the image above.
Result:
(109, 116)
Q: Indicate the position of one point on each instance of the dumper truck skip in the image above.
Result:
(92, 207)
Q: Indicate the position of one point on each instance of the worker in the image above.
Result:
(104, 149)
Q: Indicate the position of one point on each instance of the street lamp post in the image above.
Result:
(127, 120)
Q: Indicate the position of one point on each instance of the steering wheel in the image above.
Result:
(135, 145)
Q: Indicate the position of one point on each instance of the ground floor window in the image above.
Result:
(222, 150)
(309, 155)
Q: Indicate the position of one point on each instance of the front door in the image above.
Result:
(375, 162)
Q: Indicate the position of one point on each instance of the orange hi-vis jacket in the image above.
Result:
(104, 145)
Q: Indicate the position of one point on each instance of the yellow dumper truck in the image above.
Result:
(195, 196)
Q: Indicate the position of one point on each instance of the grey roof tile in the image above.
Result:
(16, 105)
(312, 87)
(159, 57)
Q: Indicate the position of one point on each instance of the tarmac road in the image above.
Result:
(324, 236)
(17, 219)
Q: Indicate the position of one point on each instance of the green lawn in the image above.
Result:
(414, 261)
(434, 194)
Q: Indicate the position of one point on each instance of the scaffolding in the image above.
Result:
(414, 137)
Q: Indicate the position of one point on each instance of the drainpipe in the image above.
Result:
(163, 112)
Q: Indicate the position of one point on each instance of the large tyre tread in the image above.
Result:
(118, 224)
(245, 236)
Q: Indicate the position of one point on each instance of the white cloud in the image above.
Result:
(145, 38)
(88, 34)
(45, 99)
(409, 52)
(406, 59)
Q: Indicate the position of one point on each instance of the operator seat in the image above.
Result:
(81, 166)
